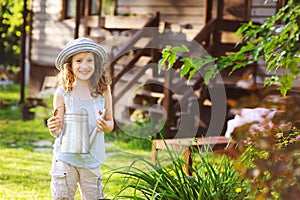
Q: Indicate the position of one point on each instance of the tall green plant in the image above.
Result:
(213, 178)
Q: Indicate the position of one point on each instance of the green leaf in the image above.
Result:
(162, 61)
(238, 66)
(210, 73)
(286, 80)
(192, 73)
(179, 49)
(199, 62)
(186, 67)
(171, 60)
(272, 80)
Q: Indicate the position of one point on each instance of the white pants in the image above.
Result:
(65, 178)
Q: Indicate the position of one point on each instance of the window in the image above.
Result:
(70, 9)
(94, 8)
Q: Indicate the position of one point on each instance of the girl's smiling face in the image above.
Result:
(83, 65)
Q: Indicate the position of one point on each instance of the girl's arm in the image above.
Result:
(107, 124)
(55, 122)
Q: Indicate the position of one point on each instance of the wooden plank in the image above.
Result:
(174, 3)
(125, 22)
(210, 140)
(263, 3)
(150, 94)
(37, 72)
(50, 50)
(188, 145)
(142, 61)
(263, 12)
(258, 19)
(55, 26)
(95, 21)
(169, 10)
(192, 19)
(49, 82)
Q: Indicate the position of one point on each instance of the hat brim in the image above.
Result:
(69, 51)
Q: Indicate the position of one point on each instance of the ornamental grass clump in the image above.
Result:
(213, 178)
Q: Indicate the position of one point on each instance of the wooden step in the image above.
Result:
(125, 59)
(145, 108)
(142, 42)
(151, 94)
(146, 99)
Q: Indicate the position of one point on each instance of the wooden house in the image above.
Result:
(54, 23)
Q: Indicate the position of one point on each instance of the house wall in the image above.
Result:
(48, 36)
(193, 11)
(261, 9)
(171, 11)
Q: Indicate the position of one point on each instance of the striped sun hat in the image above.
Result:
(80, 45)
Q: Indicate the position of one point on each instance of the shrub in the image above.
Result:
(214, 177)
(272, 163)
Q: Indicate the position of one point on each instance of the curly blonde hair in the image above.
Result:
(98, 82)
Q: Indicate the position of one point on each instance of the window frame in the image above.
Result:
(67, 3)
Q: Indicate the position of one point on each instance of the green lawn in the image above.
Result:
(24, 172)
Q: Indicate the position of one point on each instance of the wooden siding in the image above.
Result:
(191, 11)
(171, 11)
(262, 9)
(49, 34)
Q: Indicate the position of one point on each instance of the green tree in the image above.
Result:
(10, 31)
(276, 42)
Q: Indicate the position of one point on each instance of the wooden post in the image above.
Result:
(217, 32)
(280, 4)
(86, 17)
(23, 52)
(155, 55)
(154, 153)
(167, 102)
(77, 19)
(248, 5)
(209, 8)
(188, 160)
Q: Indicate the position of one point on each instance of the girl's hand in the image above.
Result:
(54, 124)
(101, 124)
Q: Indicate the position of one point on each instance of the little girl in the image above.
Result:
(84, 85)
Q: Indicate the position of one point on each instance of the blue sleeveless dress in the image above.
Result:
(74, 104)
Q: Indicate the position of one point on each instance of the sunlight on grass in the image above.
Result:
(120, 159)
(10, 92)
(20, 134)
(24, 174)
